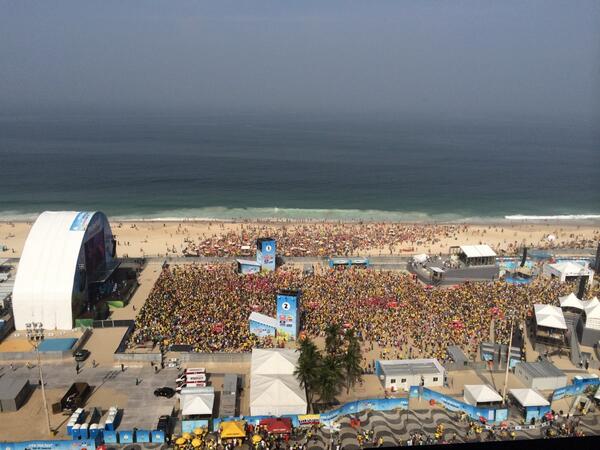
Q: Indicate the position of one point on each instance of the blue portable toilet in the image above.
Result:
(142, 436)
(126, 437)
(158, 437)
(110, 437)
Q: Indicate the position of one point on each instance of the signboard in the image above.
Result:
(88, 444)
(266, 251)
(287, 315)
(261, 329)
(81, 221)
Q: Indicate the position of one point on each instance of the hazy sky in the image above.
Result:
(502, 56)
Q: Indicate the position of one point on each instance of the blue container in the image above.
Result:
(126, 437)
(142, 436)
(158, 436)
(110, 426)
(83, 433)
(110, 437)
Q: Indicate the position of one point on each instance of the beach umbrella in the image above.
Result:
(198, 431)
(256, 439)
(186, 436)
(196, 443)
(180, 441)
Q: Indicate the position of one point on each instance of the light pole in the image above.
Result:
(35, 336)
(508, 359)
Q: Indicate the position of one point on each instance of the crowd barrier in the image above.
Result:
(87, 444)
(578, 387)
(491, 415)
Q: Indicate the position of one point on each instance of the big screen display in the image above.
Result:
(94, 252)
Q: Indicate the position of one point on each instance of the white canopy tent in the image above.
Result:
(273, 361)
(480, 393)
(592, 314)
(276, 395)
(570, 301)
(549, 316)
(529, 397)
(567, 269)
(197, 401)
(420, 258)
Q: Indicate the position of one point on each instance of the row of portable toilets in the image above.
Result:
(83, 426)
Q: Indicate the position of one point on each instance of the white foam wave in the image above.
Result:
(554, 217)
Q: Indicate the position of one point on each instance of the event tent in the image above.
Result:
(273, 361)
(570, 301)
(566, 270)
(276, 395)
(279, 425)
(592, 313)
(477, 251)
(480, 393)
(549, 316)
(529, 397)
(233, 429)
(420, 258)
(197, 401)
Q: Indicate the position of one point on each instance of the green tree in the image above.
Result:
(351, 360)
(333, 340)
(308, 369)
(330, 379)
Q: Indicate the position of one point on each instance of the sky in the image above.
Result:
(448, 57)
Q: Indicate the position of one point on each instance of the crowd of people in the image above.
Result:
(323, 239)
(207, 308)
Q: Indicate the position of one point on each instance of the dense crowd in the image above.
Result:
(323, 239)
(207, 308)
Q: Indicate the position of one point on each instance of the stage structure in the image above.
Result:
(549, 326)
(475, 255)
(66, 265)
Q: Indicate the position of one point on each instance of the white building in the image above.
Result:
(568, 271)
(63, 254)
(274, 389)
(542, 375)
(403, 373)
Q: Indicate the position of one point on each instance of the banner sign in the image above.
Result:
(578, 387)
(81, 220)
(287, 316)
(86, 444)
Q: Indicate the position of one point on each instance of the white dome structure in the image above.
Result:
(63, 252)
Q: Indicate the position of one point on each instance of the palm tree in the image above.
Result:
(351, 360)
(307, 370)
(333, 340)
(330, 376)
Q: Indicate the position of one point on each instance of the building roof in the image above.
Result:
(263, 319)
(549, 316)
(399, 367)
(457, 354)
(273, 361)
(248, 262)
(529, 397)
(570, 301)
(276, 391)
(592, 313)
(45, 277)
(482, 393)
(11, 386)
(541, 369)
(477, 251)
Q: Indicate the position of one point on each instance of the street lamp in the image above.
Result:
(35, 336)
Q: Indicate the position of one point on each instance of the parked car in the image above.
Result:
(81, 355)
(164, 392)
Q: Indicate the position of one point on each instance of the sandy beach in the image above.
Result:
(175, 238)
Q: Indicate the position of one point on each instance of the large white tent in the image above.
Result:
(276, 395)
(274, 389)
(570, 301)
(52, 276)
(477, 251)
(567, 269)
(592, 313)
(475, 394)
(549, 316)
(197, 401)
(529, 397)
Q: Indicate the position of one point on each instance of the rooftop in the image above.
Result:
(541, 369)
(410, 367)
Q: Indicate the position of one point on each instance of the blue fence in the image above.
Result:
(578, 387)
(89, 444)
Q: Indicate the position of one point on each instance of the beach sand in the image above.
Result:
(151, 238)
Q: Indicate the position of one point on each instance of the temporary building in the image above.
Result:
(542, 375)
(197, 401)
(421, 258)
(568, 270)
(273, 361)
(477, 254)
(534, 405)
(403, 373)
(549, 316)
(233, 429)
(13, 393)
(480, 394)
(274, 389)
(65, 251)
(276, 395)
(570, 301)
(589, 327)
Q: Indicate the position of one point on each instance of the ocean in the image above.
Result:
(294, 166)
